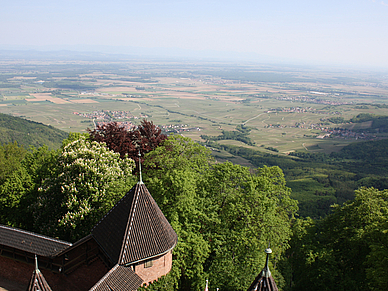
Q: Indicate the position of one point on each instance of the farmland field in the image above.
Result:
(287, 109)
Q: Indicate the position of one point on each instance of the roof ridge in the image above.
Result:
(151, 230)
(35, 234)
(130, 221)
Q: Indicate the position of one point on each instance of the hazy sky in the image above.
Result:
(344, 32)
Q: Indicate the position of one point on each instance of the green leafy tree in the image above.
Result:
(347, 249)
(223, 214)
(19, 189)
(88, 180)
(173, 173)
(11, 155)
(14, 188)
(39, 165)
(377, 259)
(13, 180)
(249, 211)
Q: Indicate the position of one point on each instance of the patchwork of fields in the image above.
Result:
(288, 109)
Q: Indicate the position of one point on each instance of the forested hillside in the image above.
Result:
(319, 180)
(347, 250)
(29, 133)
(225, 215)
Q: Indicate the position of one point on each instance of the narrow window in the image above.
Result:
(148, 264)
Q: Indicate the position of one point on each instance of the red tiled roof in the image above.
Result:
(135, 229)
(118, 278)
(31, 242)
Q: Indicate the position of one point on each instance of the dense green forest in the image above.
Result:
(240, 135)
(319, 180)
(378, 124)
(347, 250)
(29, 133)
(225, 215)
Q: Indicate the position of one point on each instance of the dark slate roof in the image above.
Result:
(38, 282)
(76, 244)
(31, 242)
(134, 229)
(263, 284)
(264, 281)
(118, 278)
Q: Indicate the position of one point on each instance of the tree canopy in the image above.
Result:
(224, 215)
(347, 250)
(87, 181)
(144, 138)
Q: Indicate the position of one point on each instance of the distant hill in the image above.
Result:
(29, 133)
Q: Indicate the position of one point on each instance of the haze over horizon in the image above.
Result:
(349, 33)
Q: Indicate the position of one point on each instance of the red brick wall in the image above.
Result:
(15, 271)
(161, 266)
(82, 279)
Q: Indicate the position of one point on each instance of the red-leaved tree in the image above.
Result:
(146, 137)
(116, 137)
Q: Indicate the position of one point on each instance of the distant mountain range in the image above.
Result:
(110, 53)
(29, 133)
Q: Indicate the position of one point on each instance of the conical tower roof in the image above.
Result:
(135, 229)
(37, 281)
(264, 281)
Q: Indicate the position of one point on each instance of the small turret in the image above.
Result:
(38, 282)
(264, 281)
(140, 177)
